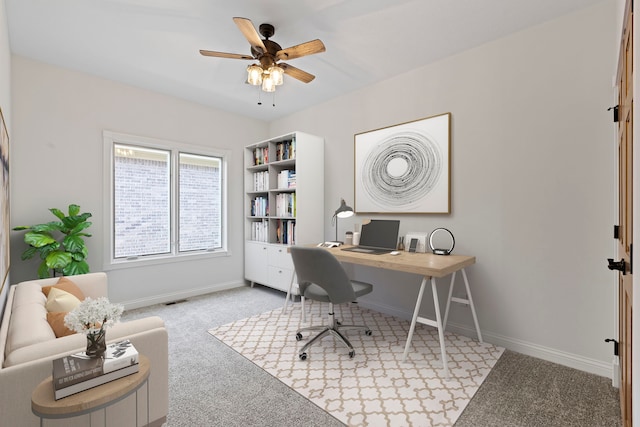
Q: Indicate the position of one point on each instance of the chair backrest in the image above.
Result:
(318, 266)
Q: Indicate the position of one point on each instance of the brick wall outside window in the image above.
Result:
(142, 206)
(200, 207)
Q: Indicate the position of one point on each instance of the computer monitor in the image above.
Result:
(380, 233)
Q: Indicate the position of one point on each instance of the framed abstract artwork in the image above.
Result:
(404, 168)
(4, 202)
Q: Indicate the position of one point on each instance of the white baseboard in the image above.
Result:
(530, 349)
(175, 296)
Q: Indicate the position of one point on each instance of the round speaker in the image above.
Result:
(441, 251)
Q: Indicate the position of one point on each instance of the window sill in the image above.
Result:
(145, 261)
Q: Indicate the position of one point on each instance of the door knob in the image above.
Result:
(616, 265)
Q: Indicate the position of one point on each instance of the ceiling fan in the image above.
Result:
(269, 54)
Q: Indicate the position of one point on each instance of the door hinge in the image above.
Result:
(616, 231)
(616, 350)
(631, 258)
(615, 113)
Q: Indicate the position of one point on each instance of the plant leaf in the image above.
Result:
(58, 259)
(58, 213)
(74, 209)
(48, 227)
(74, 268)
(43, 270)
(29, 253)
(38, 240)
(73, 243)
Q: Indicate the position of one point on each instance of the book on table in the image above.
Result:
(78, 372)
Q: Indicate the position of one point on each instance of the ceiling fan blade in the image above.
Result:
(224, 54)
(304, 49)
(297, 73)
(249, 31)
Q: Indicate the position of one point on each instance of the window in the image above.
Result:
(166, 199)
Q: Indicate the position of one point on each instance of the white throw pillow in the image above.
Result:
(59, 300)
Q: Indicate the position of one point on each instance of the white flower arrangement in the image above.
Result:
(93, 315)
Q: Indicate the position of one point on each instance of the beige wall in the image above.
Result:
(532, 181)
(57, 150)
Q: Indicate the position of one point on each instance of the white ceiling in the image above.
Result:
(154, 44)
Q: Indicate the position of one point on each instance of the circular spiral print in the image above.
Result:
(402, 169)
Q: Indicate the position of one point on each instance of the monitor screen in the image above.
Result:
(380, 233)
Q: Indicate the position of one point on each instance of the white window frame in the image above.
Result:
(109, 140)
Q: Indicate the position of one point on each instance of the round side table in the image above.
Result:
(44, 405)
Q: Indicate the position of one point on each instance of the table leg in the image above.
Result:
(473, 307)
(436, 303)
(414, 319)
(286, 301)
(446, 310)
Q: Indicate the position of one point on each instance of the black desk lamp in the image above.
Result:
(343, 211)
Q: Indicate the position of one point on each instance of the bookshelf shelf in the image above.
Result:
(284, 204)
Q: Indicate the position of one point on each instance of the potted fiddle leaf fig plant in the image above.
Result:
(60, 244)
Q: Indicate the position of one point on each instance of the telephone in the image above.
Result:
(329, 245)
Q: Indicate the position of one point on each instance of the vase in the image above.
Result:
(96, 343)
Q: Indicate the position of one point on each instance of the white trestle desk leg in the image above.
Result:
(446, 310)
(436, 303)
(473, 308)
(414, 319)
(437, 323)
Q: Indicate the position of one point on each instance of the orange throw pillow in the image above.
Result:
(56, 320)
(66, 285)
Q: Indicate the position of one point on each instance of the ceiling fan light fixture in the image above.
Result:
(268, 83)
(254, 74)
(277, 74)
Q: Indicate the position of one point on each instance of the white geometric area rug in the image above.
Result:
(375, 388)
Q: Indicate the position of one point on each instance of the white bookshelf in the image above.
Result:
(283, 202)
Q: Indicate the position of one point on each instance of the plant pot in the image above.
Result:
(96, 343)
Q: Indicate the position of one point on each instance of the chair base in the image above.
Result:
(334, 330)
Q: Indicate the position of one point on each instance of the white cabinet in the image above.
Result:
(284, 204)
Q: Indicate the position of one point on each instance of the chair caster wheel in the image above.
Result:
(368, 332)
(303, 356)
(352, 353)
(298, 336)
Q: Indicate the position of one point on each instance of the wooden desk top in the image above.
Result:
(424, 264)
(44, 404)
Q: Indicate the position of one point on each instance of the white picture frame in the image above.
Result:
(404, 168)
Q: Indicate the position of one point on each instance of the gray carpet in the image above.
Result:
(212, 385)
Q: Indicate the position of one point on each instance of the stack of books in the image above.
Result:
(78, 372)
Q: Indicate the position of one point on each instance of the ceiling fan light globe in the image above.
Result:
(268, 84)
(277, 74)
(254, 75)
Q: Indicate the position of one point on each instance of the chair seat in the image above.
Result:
(316, 293)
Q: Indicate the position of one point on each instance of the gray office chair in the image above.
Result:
(322, 278)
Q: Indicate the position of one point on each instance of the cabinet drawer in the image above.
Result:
(280, 278)
(279, 257)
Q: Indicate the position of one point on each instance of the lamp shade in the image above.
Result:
(343, 211)
(268, 85)
(276, 74)
(254, 74)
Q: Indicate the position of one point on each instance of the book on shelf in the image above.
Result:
(286, 150)
(287, 179)
(260, 231)
(78, 372)
(261, 181)
(260, 156)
